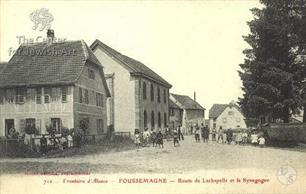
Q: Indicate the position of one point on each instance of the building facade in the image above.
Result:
(53, 90)
(226, 116)
(175, 115)
(139, 95)
(192, 112)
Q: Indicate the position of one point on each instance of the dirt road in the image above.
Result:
(188, 157)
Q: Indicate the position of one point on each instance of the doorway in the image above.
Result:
(9, 124)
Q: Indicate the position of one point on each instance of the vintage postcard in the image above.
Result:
(171, 97)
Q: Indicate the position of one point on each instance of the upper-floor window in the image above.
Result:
(47, 94)
(144, 90)
(152, 92)
(165, 119)
(38, 95)
(230, 112)
(64, 91)
(20, 95)
(171, 112)
(165, 96)
(158, 94)
(9, 95)
(91, 73)
(99, 99)
(86, 99)
(80, 95)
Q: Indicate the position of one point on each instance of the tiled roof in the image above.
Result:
(136, 67)
(217, 109)
(187, 102)
(48, 68)
(173, 105)
(2, 65)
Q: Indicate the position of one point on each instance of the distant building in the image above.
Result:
(53, 90)
(226, 116)
(175, 115)
(192, 112)
(139, 95)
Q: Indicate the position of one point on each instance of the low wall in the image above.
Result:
(290, 132)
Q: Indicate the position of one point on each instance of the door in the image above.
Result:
(9, 124)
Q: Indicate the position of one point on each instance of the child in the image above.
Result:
(254, 139)
(175, 138)
(137, 138)
(262, 141)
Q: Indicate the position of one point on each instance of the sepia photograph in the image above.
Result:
(143, 96)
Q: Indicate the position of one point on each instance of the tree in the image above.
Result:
(271, 74)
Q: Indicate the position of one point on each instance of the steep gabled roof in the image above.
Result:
(46, 64)
(173, 105)
(186, 102)
(2, 65)
(136, 67)
(217, 109)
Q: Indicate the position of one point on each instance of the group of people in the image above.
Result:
(201, 131)
(157, 137)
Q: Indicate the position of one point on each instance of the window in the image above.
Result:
(159, 120)
(47, 94)
(20, 95)
(158, 95)
(80, 95)
(145, 119)
(1, 96)
(224, 120)
(165, 96)
(214, 126)
(64, 91)
(99, 99)
(152, 92)
(38, 95)
(86, 100)
(30, 126)
(165, 119)
(9, 95)
(100, 126)
(91, 73)
(56, 125)
(152, 120)
(144, 90)
(230, 112)
(171, 112)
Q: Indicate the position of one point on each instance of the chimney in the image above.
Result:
(194, 96)
(50, 36)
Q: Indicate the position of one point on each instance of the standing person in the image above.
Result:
(70, 140)
(159, 138)
(175, 138)
(137, 138)
(239, 138)
(43, 145)
(254, 138)
(206, 134)
(180, 134)
(197, 134)
(213, 134)
(244, 137)
(220, 135)
(146, 136)
(262, 142)
(203, 132)
(153, 137)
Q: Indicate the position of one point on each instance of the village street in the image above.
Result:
(189, 157)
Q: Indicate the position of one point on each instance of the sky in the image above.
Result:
(194, 45)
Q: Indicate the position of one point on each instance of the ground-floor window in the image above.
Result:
(84, 125)
(30, 126)
(165, 119)
(145, 119)
(100, 126)
(9, 125)
(56, 125)
(152, 120)
(159, 120)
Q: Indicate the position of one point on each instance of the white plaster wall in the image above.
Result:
(124, 92)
